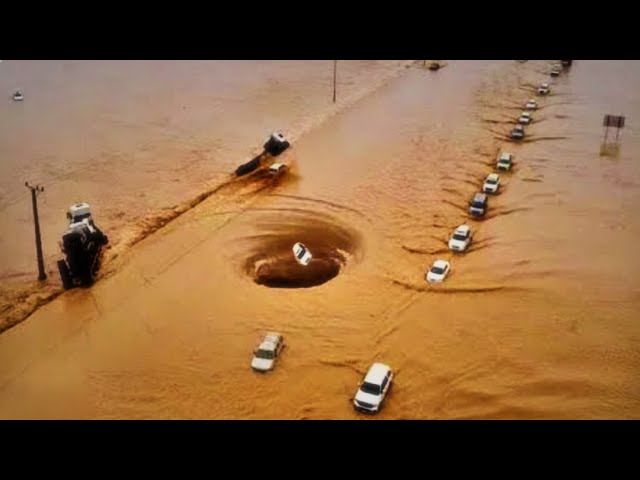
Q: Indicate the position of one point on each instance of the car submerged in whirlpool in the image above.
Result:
(302, 254)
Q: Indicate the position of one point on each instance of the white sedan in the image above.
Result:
(460, 239)
(302, 254)
(531, 105)
(438, 271)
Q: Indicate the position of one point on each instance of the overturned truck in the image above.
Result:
(82, 246)
(274, 146)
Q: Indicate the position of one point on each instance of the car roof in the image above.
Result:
(480, 197)
(276, 165)
(266, 345)
(505, 156)
(440, 263)
(376, 373)
(493, 176)
(463, 229)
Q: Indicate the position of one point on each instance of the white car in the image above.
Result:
(302, 254)
(504, 162)
(556, 70)
(491, 183)
(544, 89)
(264, 357)
(373, 390)
(277, 168)
(531, 105)
(18, 96)
(525, 118)
(460, 239)
(438, 272)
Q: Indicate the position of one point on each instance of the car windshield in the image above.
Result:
(477, 205)
(492, 181)
(459, 236)
(437, 270)
(266, 354)
(301, 253)
(370, 388)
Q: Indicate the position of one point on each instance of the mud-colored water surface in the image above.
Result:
(539, 319)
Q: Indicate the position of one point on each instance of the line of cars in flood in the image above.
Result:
(376, 384)
(462, 236)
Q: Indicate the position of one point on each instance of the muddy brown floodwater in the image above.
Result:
(540, 319)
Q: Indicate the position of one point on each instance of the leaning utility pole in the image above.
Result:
(335, 67)
(34, 191)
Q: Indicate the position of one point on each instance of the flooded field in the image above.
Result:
(539, 319)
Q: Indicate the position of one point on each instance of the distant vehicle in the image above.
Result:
(517, 133)
(264, 357)
(434, 66)
(531, 105)
(374, 388)
(277, 168)
(18, 96)
(478, 205)
(566, 63)
(505, 161)
(544, 89)
(460, 239)
(525, 118)
(438, 271)
(491, 183)
(556, 70)
(302, 254)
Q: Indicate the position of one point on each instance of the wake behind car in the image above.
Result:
(491, 183)
(374, 388)
(438, 271)
(460, 239)
(264, 357)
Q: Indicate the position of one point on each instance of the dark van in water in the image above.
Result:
(478, 206)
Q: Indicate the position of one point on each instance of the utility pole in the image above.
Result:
(34, 191)
(335, 68)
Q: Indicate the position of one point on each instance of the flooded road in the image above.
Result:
(538, 320)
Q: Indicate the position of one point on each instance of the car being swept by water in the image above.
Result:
(373, 389)
(302, 254)
(531, 105)
(264, 357)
